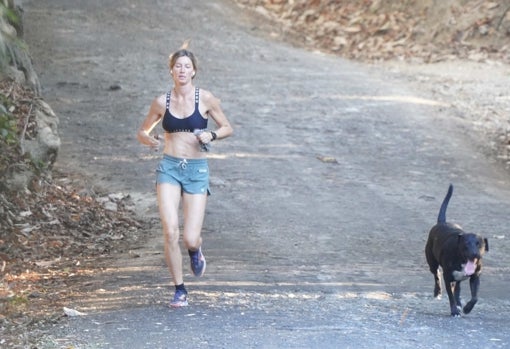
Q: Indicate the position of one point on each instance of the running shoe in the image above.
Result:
(197, 260)
(180, 299)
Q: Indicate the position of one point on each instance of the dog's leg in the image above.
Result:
(474, 284)
(434, 269)
(455, 311)
(456, 293)
(437, 284)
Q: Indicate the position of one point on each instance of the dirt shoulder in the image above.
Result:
(426, 31)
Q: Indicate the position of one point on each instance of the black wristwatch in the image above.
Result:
(213, 135)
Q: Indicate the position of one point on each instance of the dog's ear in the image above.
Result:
(486, 242)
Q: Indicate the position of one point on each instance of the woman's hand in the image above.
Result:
(151, 141)
(203, 136)
(155, 141)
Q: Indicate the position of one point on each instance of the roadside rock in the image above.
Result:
(47, 143)
(39, 136)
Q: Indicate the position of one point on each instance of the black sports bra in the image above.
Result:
(195, 121)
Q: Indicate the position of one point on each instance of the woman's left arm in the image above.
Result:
(214, 110)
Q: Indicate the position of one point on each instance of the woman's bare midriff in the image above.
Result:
(182, 145)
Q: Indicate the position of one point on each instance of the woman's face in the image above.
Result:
(183, 70)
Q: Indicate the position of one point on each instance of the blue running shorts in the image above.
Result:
(192, 175)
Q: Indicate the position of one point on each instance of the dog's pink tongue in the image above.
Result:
(469, 268)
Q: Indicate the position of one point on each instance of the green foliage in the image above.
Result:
(9, 140)
(8, 127)
(7, 17)
(18, 300)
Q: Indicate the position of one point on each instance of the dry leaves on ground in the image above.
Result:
(379, 30)
(51, 237)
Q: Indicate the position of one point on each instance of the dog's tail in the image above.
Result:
(441, 218)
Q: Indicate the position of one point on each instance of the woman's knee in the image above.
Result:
(192, 241)
(171, 235)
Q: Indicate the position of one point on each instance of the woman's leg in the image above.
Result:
(193, 206)
(194, 211)
(168, 200)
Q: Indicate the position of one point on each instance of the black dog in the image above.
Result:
(459, 255)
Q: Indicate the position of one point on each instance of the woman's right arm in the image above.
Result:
(154, 115)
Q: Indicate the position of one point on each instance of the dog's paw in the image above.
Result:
(469, 306)
(456, 312)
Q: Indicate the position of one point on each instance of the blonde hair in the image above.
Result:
(182, 52)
